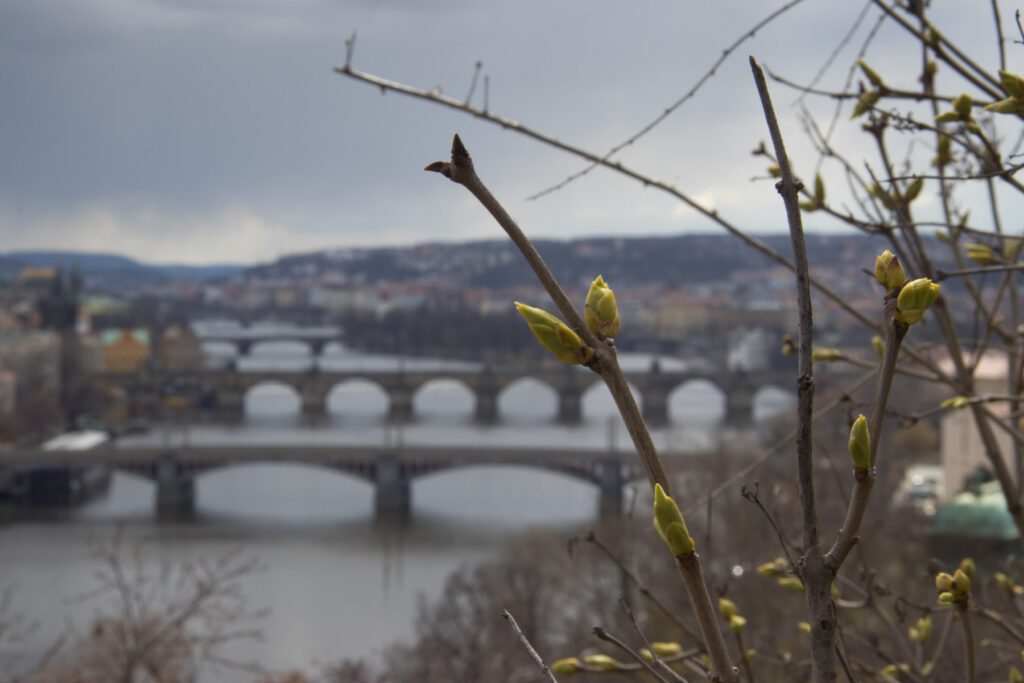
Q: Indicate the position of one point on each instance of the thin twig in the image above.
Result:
(609, 638)
(529, 648)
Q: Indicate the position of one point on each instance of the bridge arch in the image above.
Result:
(283, 346)
(528, 399)
(597, 404)
(697, 400)
(772, 401)
(521, 495)
(271, 400)
(445, 398)
(358, 399)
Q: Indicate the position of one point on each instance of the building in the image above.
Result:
(179, 350)
(125, 350)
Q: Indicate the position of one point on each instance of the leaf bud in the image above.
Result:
(666, 649)
(556, 336)
(943, 582)
(736, 623)
(922, 631)
(750, 655)
(981, 254)
(670, 524)
(946, 598)
(791, 583)
(602, 662)
(871, 74)
(865, 102)
(955, 402)
(601, 314)
(1015, 676)
(913, 189)
(860, 444)
(879, 346)
(962, 103)
(914, 299)
(825, 354)
(804, 626)
(567, 666)
(1012, 84)
(968, 567)
(888, 271)
(1011, 105)
(961, 582)
(819, 189)
(726, 607)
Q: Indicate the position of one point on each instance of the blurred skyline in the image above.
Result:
(216, 131)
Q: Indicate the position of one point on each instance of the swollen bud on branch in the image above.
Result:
(860, 444)
(865, 102)
(556, 336)
(567, 666)
(601, 314)
(670, 524)
(888, 271)
(602, 662)
(981, 254)
(914, 299)
(872, 75)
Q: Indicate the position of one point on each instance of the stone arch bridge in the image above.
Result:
(224, 391)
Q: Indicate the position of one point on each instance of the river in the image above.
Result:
(337, 583)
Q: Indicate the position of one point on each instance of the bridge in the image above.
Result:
(223, 392)
(390, 470)
(244, 338)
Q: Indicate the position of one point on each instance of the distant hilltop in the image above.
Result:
(628, 261)
(110, 270)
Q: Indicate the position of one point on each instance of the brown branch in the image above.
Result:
(529, 648)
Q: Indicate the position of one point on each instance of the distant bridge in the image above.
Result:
(244, 338)
(224, 391)
(390, 470)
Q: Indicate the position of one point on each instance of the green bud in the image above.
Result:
(946, 598)
(914, 299)
(961, 582)
(1011, 105)
(819, 189)
(750, 655)
(666, 649)
(913, 189)
(601, 314)
(775, 171)
(943, 152)
(556, 336)
(567, 666)
(602, 662)
(879, 193)
(968, 567)
(804, 626)
(736, 623)
(1015, 676)
(726, 607)
(943, 582)
(825, 354)
(947, 117)
(955, 402)
(871, 74)
(860, 444)
(1012, 84)
(888, 271)
(962, 104)
(1012, 248)
(791, 583)
(879, 346)
(922, 631)
(981, 254)
(774, 568)
(670, 524)
(865, 102)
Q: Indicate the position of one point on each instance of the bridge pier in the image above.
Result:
(739, 407)
(610, 483)
(400, 405)
(314, 407)
(393, 498)
(570, 407)
(175, 489)
(486, 407)
(655, 407)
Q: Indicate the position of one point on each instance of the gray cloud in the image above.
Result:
(151, 126)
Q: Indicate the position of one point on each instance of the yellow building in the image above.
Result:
(125, 351)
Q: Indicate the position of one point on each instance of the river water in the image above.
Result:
(337, 583)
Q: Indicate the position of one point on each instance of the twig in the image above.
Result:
(658, 660)
(529, 648)
(472, 83)
(941, 275)
(609, 638)
(669, 110)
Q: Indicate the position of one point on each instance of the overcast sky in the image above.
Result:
(205, 131)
